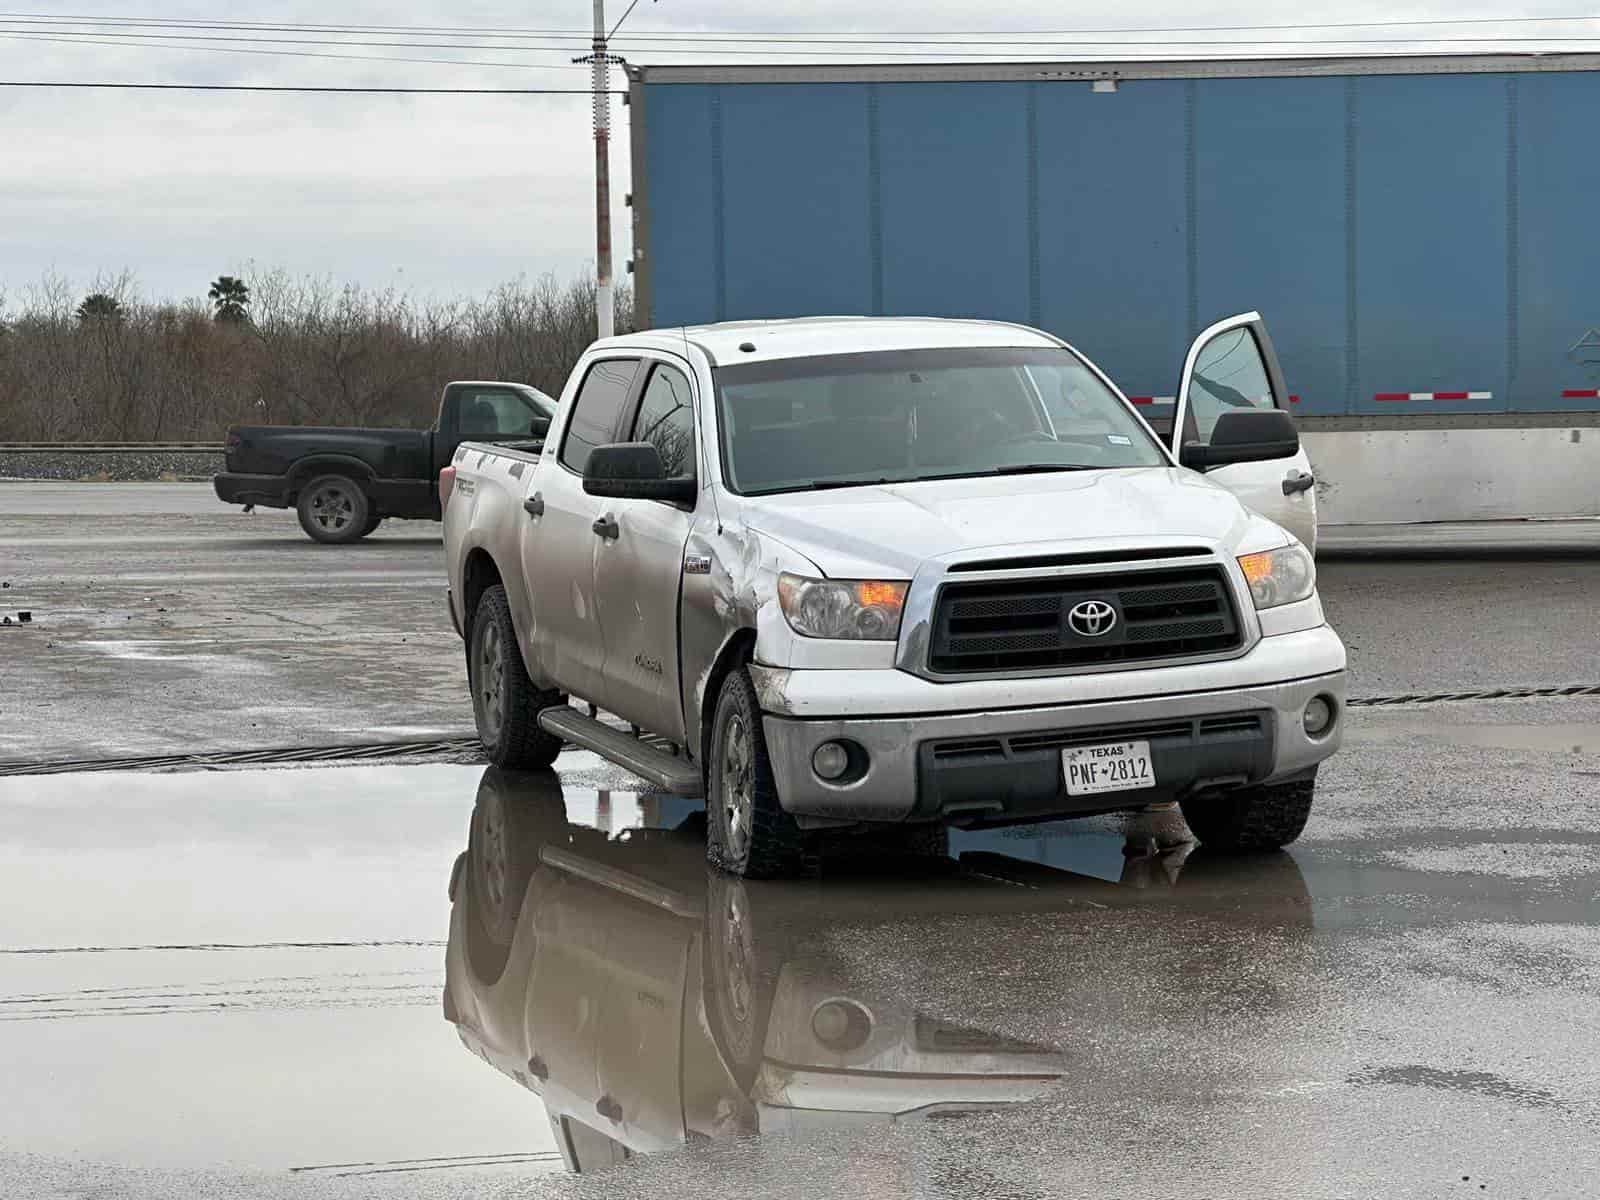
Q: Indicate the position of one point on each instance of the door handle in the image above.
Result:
(535, 505)
(607, 527)
(1297, 481)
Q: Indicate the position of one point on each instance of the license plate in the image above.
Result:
(1112, 767)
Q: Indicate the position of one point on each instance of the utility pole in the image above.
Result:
(604, 297)
(605, 308)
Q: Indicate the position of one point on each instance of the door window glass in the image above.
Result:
(594, 415)
(1229, 373)
(666, 420)
(495, 412)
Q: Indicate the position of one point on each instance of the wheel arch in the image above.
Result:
(736, 652)
(479, 573)
(307, 469)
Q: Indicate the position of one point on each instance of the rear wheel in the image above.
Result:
(748, 832)
(505, 704)
(373, 522)
(334, 509)
(1265, 817)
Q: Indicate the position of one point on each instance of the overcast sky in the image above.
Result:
(442, 195)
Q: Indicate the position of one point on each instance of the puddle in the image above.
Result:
(456, 978)
(262, 970)
(1574, 739)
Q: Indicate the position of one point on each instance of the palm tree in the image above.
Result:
(231, 296)
(98, 306)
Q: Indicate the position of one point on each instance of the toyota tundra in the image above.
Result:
(893, 574)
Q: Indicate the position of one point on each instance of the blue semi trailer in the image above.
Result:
(1419, 232)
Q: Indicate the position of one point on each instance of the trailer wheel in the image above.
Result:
(505, 704)
(334, 509)
(1265, 817)
(748, 832)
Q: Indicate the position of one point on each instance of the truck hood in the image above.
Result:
(890, 530)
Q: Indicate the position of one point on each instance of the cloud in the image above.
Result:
(445, 194)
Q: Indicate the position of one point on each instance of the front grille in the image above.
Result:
(1022, 625)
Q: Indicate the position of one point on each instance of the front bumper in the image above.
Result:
(998, 763)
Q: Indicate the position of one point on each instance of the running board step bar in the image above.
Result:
(666, 771)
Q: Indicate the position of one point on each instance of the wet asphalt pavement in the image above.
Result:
(158, 589)
(234, 984)
(410, 980)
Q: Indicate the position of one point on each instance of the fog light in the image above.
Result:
(1318, 717)
(830, 760)
(841, 1025)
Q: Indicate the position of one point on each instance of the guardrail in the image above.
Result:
(110, 447)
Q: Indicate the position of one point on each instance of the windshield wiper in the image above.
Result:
(1039, 468)
(822, 485)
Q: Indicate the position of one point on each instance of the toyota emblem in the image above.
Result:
(1092, 618)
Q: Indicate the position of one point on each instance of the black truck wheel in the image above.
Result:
(1265, 817)
(505, 704)
(373, 522)
(334, 509)
(748, 832)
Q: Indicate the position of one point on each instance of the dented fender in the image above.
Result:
(735, 598)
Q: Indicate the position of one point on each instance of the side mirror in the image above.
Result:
(1245, 435)
(540, 427)
(633, 471)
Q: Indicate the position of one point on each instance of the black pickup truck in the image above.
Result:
(343, 482)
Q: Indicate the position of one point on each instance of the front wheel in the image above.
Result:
(748, 832)
(505, 704)
(334, 509)
(1264, 817)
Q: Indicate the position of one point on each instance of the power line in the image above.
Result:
(254, 87)
(368, 58)
(975, 52)
(766, 35)
(621, 19)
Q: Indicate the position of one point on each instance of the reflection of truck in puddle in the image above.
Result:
(652, 1002)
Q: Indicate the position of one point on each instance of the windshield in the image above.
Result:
(903, 415)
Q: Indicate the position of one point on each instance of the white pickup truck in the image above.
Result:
(840, 574)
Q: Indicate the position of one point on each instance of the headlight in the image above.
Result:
(1279, 576)
(858, 609)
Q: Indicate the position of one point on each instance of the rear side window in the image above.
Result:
(666, 420)
(599, 403)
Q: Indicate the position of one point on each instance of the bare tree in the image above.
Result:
(312, 351)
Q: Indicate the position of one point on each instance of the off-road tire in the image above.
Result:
(334, 510)
(766, 843)
(505, 704)
(1265, 817)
